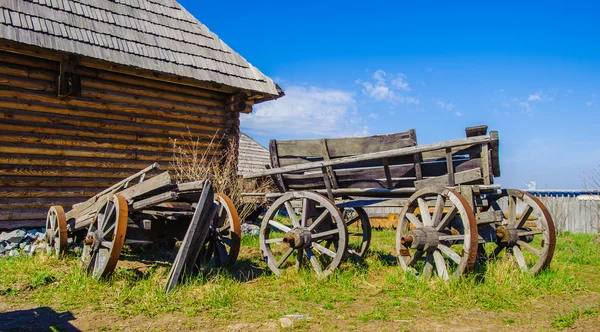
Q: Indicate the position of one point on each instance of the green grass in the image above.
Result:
(359, 295)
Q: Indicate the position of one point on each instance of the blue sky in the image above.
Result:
(530, 71)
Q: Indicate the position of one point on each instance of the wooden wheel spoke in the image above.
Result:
(224, 239)
(524, 216)
(529, 247)
(520, 258)
(414, 220)
(321, 235)
(440, 265)
(425, 216)
(414, 258)
(313, 261)
(352, 221)
(299, 259)
(106, 244)
(287, 254)
(428, 268)
(109, 230)
(279, 226)
(225, 227)
(304, 212)
(323, 250)
(512, 210)
(278, 240)
(221, 251)
(497, 251)
(292, 214)
(355, 234)
(317, 221)
(452, 237)
(438, 210)
(450, 253)
(532, 232)
(447, 218)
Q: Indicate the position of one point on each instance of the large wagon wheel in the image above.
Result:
(308, 234)
(56, 231)
(437, 231)
(526, 232)
(105, 238)
(222, 245)
(359, 231)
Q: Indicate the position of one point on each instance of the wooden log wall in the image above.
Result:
(62, 151)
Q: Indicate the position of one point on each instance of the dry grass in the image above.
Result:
(193, 161)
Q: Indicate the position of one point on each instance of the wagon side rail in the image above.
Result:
(488, 142)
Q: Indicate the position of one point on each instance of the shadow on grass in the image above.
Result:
(38, 319)
(244, 270)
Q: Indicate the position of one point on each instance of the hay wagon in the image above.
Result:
(140, 211)
(453, 214)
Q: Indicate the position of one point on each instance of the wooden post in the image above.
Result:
(275, 164)
(417, 157)
(388, 174)
(450, 167)
(330, 173)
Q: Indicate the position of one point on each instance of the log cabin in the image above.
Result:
(92, 91)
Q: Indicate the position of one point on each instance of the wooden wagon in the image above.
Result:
(452, 211)
(139, 211)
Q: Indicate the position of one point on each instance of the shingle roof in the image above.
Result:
(252, 156)
(158, 35)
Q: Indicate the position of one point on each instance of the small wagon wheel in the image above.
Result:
(307, 234)
(222, 245)
(437, 231)
(526, 231)
(359, 230)
(56, 231)
(105, 238)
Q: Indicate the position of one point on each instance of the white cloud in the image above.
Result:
(373, 116)
(458, 113)
(388, 87)
(525, 106)
(535, 97)
(446, 106)
(589, 103)
(306, 112)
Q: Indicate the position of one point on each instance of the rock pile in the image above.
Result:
(249, 229)
(21, 241)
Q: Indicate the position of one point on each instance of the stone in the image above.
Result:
(12, 246)
(32, 231)
(297, 316)
(29, 238)
(15, 236)
(27, 248)
(13, 253)
(2, 249)
(249, 229)
(22, 245)
(40, 236)
(286, 323)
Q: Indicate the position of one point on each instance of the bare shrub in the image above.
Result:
(194, 160)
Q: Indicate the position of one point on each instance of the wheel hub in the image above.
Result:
(298, 238)
(423, 239)
(93, 240)
(510, 235)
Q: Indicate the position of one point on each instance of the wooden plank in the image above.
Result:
(277, 179)
(57, 161)
(343, 147)
(7, 192)
(388, 173)
(417, 157)
(465, 177)
(489, 216)
(450, 167)
(495, 159)
(485, 164)
(190, 186)
(373, 156)
(329, 170)
(136, 190)
(15, 224)
(155, 200)
(476, 131)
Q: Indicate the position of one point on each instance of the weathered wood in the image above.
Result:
(494, 144)
(465, 177)
(417, 157)
(329, 170)
(52, 182)
(476, 131)
(37, 160)
(485, 164)
(46, 192)
(374, 155)
(190, 186)
(489, 216)
(155, 200)
(136, 190)
(388, 174)
(450, 167)
(34, 62)
(277, 178)
(14, 224)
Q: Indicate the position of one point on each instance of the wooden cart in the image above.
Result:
(151, 210)
(452, 212)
